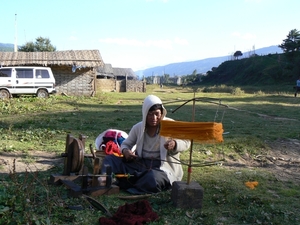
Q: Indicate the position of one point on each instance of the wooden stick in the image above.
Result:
(96, 172)
(191, 148)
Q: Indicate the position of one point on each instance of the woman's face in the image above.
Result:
(153, 118)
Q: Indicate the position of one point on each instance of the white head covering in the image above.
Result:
(149, 101)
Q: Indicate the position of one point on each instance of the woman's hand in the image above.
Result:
(170, 145)
(129, 155)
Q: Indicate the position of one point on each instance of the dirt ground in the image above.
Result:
(35, 161)
(283, 160)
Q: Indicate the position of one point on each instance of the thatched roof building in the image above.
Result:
(121, 73)
(74, 70)
(83, 58)
(107, 71)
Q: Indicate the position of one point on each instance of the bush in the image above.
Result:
(237, 91)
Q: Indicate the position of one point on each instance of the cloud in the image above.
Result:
(73, 38)
(255, 1)
(236, 34)
(164, 43)
(164, 1)
(121, 41)
(249, 36)
(181, 41)
(245, 36)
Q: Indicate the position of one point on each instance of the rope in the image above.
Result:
(192, 165)
(127, 175)
(119, 175)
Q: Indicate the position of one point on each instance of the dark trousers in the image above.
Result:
(145, 175)
(297, 90)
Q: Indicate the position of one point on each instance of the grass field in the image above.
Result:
(250, 120)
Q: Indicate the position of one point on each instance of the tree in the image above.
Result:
(41, 45)
(166, 78)
(292, 42)
(195, 72)
(237, 54)
(28, 47)
(193, 78)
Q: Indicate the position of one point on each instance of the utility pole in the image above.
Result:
(16, 34)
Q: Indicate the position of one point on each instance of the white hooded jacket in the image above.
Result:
(136, 137)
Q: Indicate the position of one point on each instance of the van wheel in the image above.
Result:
(42, 93)
(4, 94)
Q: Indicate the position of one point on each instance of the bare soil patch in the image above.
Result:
(32, 161)
(282, 159)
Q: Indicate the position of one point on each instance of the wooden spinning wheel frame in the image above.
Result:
(194, 100)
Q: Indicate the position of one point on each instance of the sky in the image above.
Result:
(141, 34)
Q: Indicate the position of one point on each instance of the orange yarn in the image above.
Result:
(251, 184)
(203, 132)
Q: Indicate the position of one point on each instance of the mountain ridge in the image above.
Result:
(6, 47)
(184, 68)
(202, 65)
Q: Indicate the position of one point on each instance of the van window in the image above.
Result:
(24, 73)
(42, 74)
(5, 73)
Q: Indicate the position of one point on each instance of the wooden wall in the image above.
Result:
(80, 83)
(84, 83)
(108, 85)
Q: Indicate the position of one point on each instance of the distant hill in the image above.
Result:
(271, 69)
(202, 66)
(183, 68)
(6, 47)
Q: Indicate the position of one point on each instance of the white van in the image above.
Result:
(17, 80)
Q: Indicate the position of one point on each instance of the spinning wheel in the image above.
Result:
(75, 170)
(201, 132)
(74, 155)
